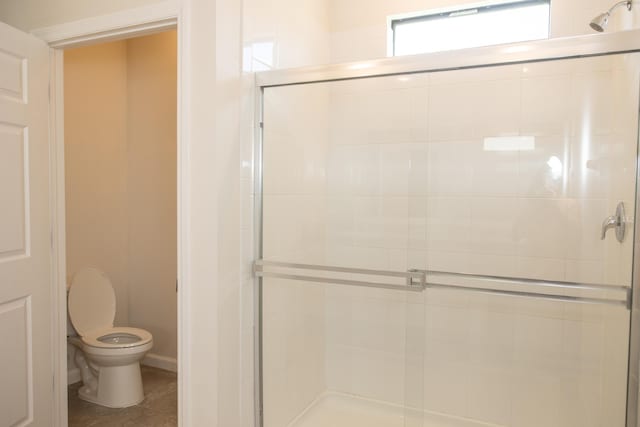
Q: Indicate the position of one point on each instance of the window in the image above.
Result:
(471, 27)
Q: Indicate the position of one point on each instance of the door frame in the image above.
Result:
(162, 16)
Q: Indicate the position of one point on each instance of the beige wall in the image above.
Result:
(28, 15)
(96, 164)
(121, 176)
(151, 176)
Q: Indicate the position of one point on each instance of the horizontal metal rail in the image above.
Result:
(528, 281)
(544, 285)
(419, 280)
(341, 281)
(415, 280)
(538, 295)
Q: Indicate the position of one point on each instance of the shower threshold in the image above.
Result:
(345, 410)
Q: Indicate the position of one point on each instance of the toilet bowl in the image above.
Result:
(109, 357)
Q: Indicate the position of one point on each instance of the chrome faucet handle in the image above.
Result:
(609, 222)
(616, 221)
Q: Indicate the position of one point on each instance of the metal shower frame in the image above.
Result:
(491, 56)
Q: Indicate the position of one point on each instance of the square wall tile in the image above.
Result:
(542, 228)
(448, 224)
(493, 226)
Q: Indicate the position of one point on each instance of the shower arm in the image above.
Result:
(620, 3)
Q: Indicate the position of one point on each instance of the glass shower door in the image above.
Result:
(433, 247)
(527, 321)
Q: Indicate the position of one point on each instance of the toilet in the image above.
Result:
(109, 357)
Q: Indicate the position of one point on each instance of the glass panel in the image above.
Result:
(341, 356)
(333, 355)
(504, 171)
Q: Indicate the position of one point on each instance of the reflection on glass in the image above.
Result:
(258, 56)
(555, 167)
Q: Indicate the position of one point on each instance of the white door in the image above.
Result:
(26, 369)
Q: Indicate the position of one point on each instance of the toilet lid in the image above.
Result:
(92, 302)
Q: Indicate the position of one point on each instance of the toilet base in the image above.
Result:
(118, 387)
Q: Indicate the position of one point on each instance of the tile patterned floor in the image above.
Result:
(159, 408)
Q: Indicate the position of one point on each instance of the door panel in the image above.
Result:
(12, 191)
(26, 369)
(16, 404)
(12, 73)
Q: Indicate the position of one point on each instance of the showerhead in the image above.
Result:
(599, 23)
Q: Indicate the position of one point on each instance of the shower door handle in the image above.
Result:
(615, 221)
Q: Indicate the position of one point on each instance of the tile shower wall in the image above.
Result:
(396, 173)
(408, 158)
(295, 208)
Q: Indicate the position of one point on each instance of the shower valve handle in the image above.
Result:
(615, 221)
(609, 222)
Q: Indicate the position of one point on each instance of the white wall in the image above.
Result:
(212, 168)
(120, 147)
(298, 31)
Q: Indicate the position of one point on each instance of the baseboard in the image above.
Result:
(73, 376)
(161, 362)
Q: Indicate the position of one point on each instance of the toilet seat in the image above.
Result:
(92, 309)
(93, 338)
(92, 301)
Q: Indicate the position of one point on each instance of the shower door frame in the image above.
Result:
(623, 42)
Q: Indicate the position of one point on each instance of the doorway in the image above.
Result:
(120, 186)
